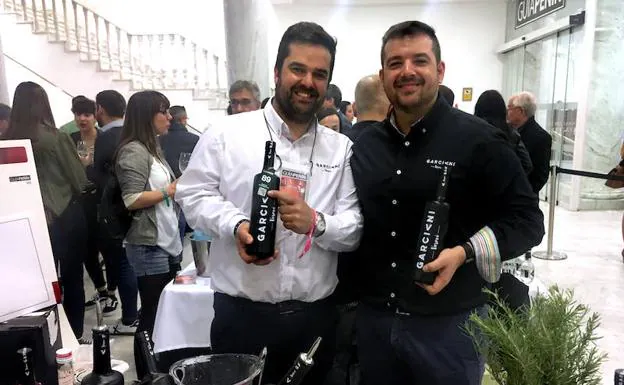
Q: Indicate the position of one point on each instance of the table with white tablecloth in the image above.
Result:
(184, 316)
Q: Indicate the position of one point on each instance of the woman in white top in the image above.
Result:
(148, 186)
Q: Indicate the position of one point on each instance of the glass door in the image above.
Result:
(546, 68)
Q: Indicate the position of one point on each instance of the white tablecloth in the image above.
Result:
(184, 316)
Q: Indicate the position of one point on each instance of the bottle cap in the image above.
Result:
(64, 356)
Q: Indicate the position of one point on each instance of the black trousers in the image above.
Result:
(398, 349)
(69, 246)
(285, 329)
(150, 288)
(90, 201)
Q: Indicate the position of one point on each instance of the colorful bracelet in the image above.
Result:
(165, 196)
(308, 244)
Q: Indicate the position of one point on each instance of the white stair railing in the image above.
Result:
(149, 61)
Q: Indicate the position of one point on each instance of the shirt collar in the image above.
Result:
(429, 121)
(114, 123)
(277, 124)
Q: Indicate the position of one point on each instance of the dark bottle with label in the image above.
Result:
(432, 231)
(102, 373)
(263, 208)
(619, 377)
(26, 373)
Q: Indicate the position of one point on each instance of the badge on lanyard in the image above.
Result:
(294, 178)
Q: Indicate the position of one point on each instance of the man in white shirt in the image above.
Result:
(281, 302)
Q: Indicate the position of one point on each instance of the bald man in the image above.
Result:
(370, 106)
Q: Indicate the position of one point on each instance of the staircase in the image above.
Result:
(96, 54)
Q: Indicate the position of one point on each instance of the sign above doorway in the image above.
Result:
(527, 11)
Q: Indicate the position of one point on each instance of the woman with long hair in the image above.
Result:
(492, 108)
(148, 186)
(61, 181)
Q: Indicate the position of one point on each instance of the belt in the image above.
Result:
(282, 308)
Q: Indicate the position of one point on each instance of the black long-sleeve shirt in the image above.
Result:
(395, 178)
(538, 142)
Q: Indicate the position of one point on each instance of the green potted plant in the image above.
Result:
(551, 343)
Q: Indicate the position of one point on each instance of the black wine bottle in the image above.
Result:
(26, 373)
(432, 231)
(102, 373)
(263, 208)
(618, 378)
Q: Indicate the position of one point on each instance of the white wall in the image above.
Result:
(469, 32)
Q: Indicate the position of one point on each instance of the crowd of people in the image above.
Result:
(112, 185)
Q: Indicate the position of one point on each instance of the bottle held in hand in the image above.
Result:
(263, 224)
(432, 231)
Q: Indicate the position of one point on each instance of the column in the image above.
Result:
(246, 37)
(4, 92)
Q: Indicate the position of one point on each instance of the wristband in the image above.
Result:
(238, 225)
(308, 244)
(165, 196)
(470, 253)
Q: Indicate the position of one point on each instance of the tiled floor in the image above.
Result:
(594, 269)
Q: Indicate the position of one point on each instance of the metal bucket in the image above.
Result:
(200, 244)
(219, 369)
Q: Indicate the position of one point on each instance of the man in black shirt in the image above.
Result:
(410, 333)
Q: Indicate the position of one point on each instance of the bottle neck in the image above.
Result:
(27, 372)
(101, 351)
(269, 156)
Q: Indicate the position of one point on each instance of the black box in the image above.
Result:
(39, 331)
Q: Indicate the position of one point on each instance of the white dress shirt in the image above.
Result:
(215, 193)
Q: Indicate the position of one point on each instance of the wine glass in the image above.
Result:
(184, 160)
(82, 148)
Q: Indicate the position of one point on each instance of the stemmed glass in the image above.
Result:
(184, 160)
(82, 148)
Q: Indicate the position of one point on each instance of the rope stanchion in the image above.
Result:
(550, 254)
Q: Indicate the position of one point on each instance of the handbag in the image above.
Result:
(616, 171)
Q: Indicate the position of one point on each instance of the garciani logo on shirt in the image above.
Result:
(327, 167)
(440, 163)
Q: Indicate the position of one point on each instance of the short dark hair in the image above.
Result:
(447, 94)
(177, 112)
(411, 28)
(5, 112)
(305, 33)
(112, 102)
(325, 112)
(333, 92)
(83, 105)
(264, 102)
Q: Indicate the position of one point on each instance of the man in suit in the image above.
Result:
(521, 116)
(177, 140)
(110, 109)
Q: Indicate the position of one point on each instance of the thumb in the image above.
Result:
(244, 235)
(432, 266)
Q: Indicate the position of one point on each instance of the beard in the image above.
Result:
(420, 98)
(285, 100)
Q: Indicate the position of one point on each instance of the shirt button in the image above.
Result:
(393, 265)
(407, 143)
(392, 295)
(424, 130)
(394, 202)
(398, 172)
(393, 233)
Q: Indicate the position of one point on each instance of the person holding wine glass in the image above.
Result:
(148, 186)
(84, 116)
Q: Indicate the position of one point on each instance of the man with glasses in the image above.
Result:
(521, 116)
(244, 96)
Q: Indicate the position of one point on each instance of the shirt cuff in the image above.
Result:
(131, 198)
(487, 255)
(232, 223)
